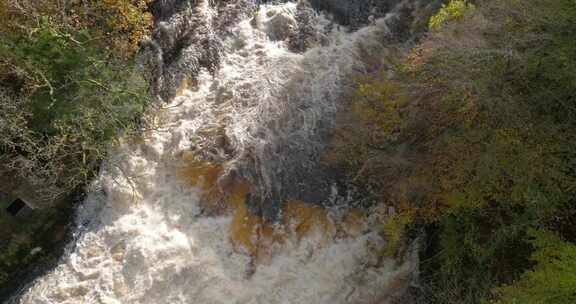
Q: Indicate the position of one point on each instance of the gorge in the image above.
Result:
(226, 198)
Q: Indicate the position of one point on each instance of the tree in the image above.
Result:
(66, 95)
(473, 135)
(552, 280)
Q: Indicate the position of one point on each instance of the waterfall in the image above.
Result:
(251, 89)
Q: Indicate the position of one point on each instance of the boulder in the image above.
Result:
(281, 26)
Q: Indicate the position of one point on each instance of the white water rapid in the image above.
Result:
(145, 240)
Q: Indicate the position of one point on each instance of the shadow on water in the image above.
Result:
(57, 240)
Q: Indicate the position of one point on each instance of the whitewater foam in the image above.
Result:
(142, 236)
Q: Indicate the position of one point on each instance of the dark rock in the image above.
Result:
(186, 41)
(307, 34)
(281, 26)
(355, 13)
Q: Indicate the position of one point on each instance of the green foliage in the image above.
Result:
(65, 68)
(394, 231)
(115, 25)
(509, 167)
(3, 277)
(475, 250)
(552, 280)
(65, 100)
(378, 104)
(453, 10)
(124, 23)
(375, 110)
(482, 144)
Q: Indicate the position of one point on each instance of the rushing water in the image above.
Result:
(265, 113)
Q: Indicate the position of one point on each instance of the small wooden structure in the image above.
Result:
(19, 207)
(15, 206)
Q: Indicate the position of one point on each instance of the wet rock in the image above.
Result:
(281, 26)
(307, 34)
(355, 13)
(190, 39)
(185, 41)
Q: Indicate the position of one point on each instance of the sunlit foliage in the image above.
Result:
(552, 280)
(65, 94)
(122, 23)
(453, 9)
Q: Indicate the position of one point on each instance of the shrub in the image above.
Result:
(482, 143)
(122, 23)
(552, 280)
(453, 10)
(65, 96)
